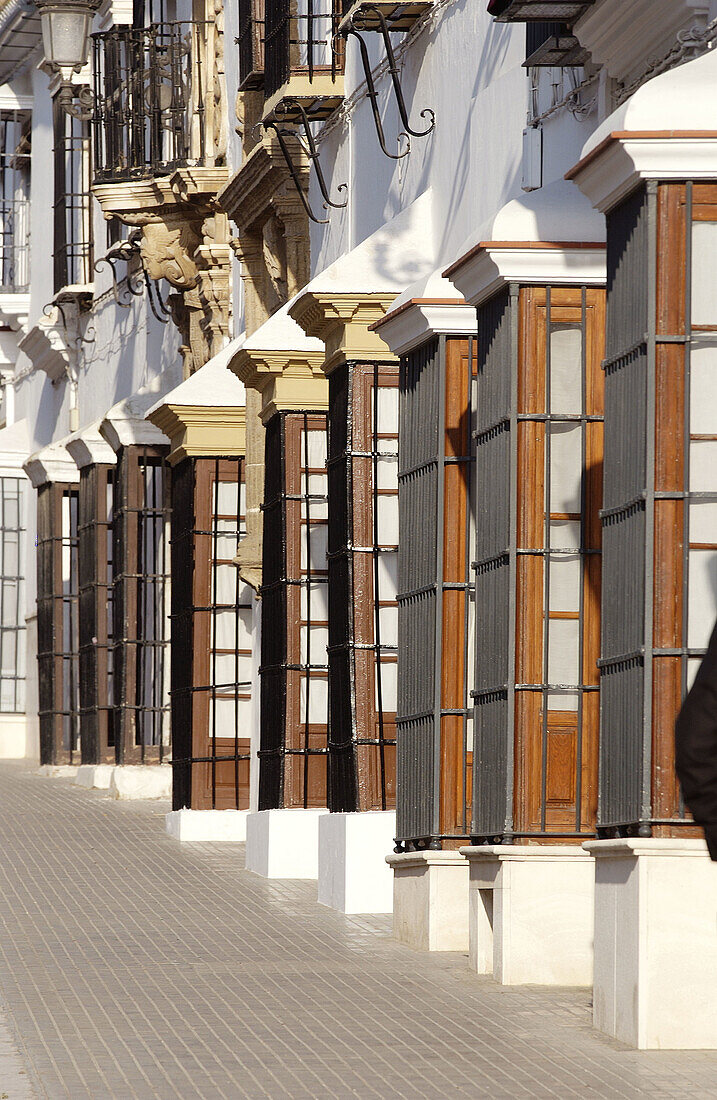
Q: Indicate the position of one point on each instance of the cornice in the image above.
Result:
(608, 173)
(130, 431)
(484, 270)
(89, 448)
(201, 431)
(247, 196)
(51, 464)
(418, 320)
(345, 324)
(288, 381)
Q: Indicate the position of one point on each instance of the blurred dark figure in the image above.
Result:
(696, 747)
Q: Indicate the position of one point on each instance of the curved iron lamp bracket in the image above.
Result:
(308, 145)
(373, 97)
(159, 308)
(354, 28)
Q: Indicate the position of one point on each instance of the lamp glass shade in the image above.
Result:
(66, 34)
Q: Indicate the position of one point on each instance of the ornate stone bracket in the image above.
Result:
(185, 240)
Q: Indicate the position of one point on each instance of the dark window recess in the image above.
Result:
(96, 503)
(293, 672)
(12, 595)
(57, 624)
(154, 100)
(211, 637)
(251, 44)
(435, 603)
(140, 606)
(301, 39)
(14, 200)
(363, 559)
(72, 253)
(552, 44)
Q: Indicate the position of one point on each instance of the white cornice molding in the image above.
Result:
(14, 309)
(132, 431)
(491, 265)
(624, 159)
(89, 448)
(51, 464)
(420, 319)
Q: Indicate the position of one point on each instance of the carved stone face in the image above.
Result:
(167, 253)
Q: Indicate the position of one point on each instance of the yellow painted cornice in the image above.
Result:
(288, 381)
(343, 322)
(200, 431)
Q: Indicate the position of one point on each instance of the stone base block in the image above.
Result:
(283, 843)
(207, 826)
(58, 771)
(430, 900)
(531, 913)
(353, 874)
(656, 943)
(97, 776)
(141, 781)
(13, 737)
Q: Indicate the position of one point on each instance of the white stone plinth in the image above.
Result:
(430, 900)
(13, 737)
(208, 826)
(96, 776)
(141, 781)
(283, 843)
(58, 771)
(353, 874)
(531, 913)
(656, 943)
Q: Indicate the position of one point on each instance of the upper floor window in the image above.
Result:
(300, 38)
(14, 200)
(72, 206)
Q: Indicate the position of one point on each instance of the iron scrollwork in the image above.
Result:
(308, 145)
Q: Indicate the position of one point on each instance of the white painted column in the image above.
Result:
(655, 943)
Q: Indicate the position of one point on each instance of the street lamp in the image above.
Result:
(66, 26)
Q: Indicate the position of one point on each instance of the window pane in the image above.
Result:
(566, 352)
(704, 273)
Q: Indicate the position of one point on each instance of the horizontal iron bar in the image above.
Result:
(626, 353)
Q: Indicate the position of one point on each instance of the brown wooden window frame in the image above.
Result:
(57, 623)
(211, 769)
(95, 523)
(141, 683)
(293, 752)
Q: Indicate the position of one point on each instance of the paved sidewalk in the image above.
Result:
(133, 967)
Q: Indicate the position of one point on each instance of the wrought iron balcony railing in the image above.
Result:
(301, 39)
(154, 101)
(14, 245)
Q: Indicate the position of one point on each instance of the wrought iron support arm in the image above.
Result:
(427, 113)
(308, 145)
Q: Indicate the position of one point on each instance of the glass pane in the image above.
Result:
(564, 572)
(389, 680)
(387, 472)
(566, 361)
(387, 575)
(704, 273)
(226, 496)
(319, 636)
(565, 534)
(703, 466)
(703, 521)
(224, 584)
(703, 389)
(225, 712)
(563, 651)
(316, 448)
(319, 607)
(387, 410)
(318, 699)
(563, 700)
(387, 520)
(388, 625)
(565, 467)
(702, 597)
(318, 538)
(225, 627)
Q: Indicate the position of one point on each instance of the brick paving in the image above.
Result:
(133, 967)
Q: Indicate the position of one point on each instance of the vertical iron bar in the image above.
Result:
(644, 828)
(583, 559)
(440, 373)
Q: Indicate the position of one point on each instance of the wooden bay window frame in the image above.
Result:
(435, 601)
(141, 605)
(95, 538)
(538, 443)
(57, 623)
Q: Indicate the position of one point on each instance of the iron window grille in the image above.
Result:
(57, 623)
(660, 494)
(141, 606)
(363, 558)
(211, 637)
(436, 598)
(95, 535)
(538, 445)
(12, 595)
(251, 44)
(294, 671)
(154, 100)
(14, 201)
(72, 254)
(301, 38)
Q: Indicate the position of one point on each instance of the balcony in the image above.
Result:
(526, 11)
(14, 246)
(155, 109)
(304, 60)
(251, 44)
(398, 15)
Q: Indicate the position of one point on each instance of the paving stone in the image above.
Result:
(133, 967)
